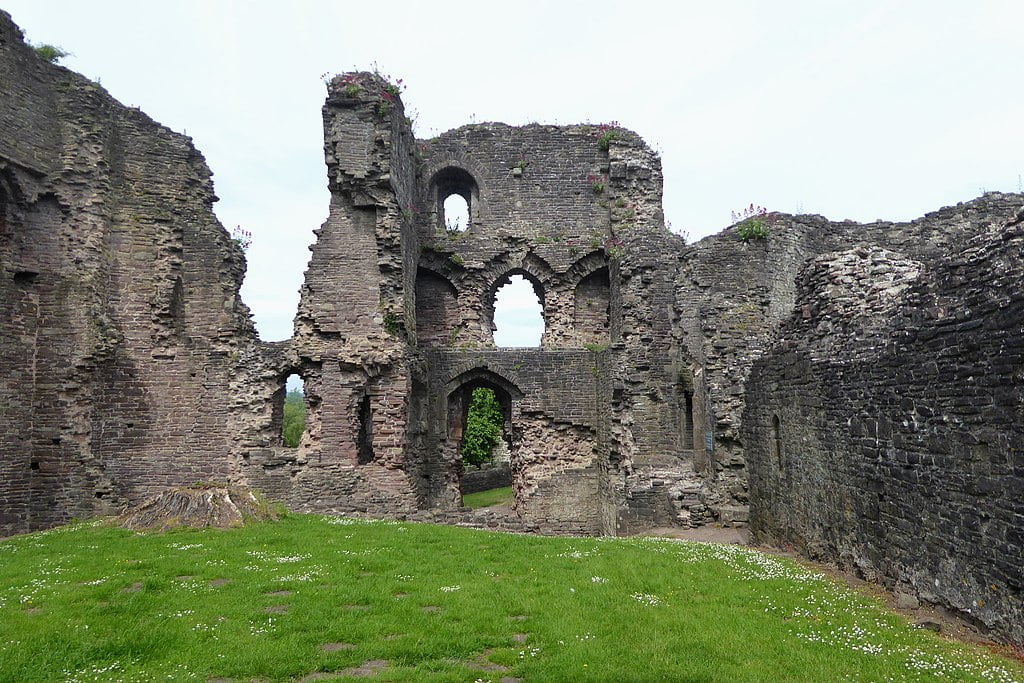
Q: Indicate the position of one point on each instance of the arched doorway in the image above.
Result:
(466, 394)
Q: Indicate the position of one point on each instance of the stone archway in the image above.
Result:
(459, 393)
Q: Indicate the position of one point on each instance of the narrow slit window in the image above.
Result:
(365, 436)
(776, 444)
(688, 420)
(293, 411)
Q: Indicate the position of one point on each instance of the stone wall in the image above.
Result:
(578, 219)
(731, 295)
(884, 429)
(533, 213)
(119, 313)
(491, 475)
(142, 318)
(356, 314)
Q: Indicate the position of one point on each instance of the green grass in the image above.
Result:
(90, 602)
(482, 499)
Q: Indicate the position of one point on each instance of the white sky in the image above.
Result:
(857, 109)
(518, 315)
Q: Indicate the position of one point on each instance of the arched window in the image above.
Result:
(456, 213)
(518, 312)
(456, 192)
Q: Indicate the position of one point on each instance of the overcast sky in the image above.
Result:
(855, 109)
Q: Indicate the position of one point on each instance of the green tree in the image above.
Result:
(483, 427)
(294, 422)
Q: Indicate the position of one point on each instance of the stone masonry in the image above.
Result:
(884, 428)
(852, 390)
(120, 322)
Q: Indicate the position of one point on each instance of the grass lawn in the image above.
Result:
(397, 601)
(483, 499)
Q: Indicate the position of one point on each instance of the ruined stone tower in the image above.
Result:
(395, 325)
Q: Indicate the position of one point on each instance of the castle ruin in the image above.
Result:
(854, 390)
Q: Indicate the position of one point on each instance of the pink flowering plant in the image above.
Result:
(241, 237)
(351, 84)
(392, 91)
(753, 222)
(605, 133)
(614, 247)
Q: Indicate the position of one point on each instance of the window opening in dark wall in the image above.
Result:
(776, 445)
(456, 213)
(293, 411)
(364, 439)
(688, 420)
(518, 314)
(456, 193)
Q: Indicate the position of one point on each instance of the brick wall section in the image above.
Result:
(550, 196)
(533, 211)
(437, 309)
(897, 389)
(27, 92)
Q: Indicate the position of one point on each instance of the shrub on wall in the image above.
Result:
(483, 427)
(51, 53)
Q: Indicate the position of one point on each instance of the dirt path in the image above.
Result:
(708, 534)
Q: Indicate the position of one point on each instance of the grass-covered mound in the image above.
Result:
(280, 601)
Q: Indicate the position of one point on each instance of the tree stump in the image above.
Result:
(197, 507)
